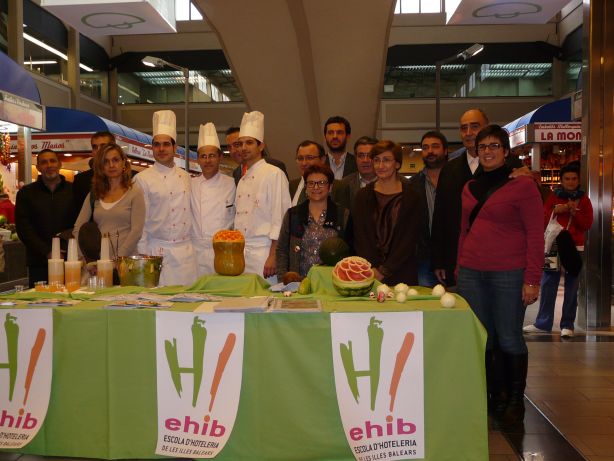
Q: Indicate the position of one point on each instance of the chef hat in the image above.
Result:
(164, 122)
(253, 125)
(207, 136)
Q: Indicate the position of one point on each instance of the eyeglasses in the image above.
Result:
(306, 158)
(319, 184)
(363, 156)
(491, 146)
(207, 156)
(378, 160)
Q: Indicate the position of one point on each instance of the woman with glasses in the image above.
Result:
(387, 219)
(500, 258)
(308, 224)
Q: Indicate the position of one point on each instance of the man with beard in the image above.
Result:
(434, 155)
(365, 172)
(337, 131)
(234, 148)
(42, 210)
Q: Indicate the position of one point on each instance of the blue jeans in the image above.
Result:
(496, 299)
(426, 275)
(547, 299)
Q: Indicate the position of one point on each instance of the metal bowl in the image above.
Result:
(141, 271)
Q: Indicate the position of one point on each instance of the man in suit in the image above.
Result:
(310, 153)
(365, 173)
(445, 228)
(337, 132)
(234, 147)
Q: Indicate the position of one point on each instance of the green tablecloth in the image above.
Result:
(103, 398)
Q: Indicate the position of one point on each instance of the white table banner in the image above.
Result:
(199, 361)
(26, 356)
(379, 375)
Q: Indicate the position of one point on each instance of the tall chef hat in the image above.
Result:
(164, 122)
(207, 136)
(252, 125)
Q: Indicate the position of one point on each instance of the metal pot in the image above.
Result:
(142, 271)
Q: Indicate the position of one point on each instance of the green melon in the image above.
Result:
(332, 250)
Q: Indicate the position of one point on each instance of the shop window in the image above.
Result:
(167, 86)
(469, 80)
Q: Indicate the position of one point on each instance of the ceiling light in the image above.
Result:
(39, 63)
(53, 50)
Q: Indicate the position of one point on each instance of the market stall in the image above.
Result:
(20, 106)
(68, 132)
(547, 139)
(112, 390)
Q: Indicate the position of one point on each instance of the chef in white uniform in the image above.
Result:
(262, 200)
(212, 198)
(168, 220)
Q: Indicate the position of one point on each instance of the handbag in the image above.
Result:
(90, 236)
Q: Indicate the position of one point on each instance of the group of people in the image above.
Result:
(472, 220)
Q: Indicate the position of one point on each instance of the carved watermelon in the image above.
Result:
(353, 276)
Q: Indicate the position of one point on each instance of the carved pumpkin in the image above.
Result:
(228, 246)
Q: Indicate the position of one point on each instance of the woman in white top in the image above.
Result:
(119, 206)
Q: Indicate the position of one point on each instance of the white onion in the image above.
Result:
(412, 292)
(401, 297)
(448, 300)
(401, 288)
(438, 290)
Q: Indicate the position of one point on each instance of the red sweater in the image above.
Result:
(507, 233)
(581, 221)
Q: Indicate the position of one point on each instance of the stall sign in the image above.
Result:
(518, 137)
(21, 111)
(26, 355)
(379, 378)
(558, 132)
(199, 370)
(134, 148)
(65, 142)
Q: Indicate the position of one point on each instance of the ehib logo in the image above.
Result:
(24, 404)
(199, 338)
(196, 354)
(379, 373)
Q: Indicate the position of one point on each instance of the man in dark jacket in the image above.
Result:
(434, 155)
(43, 209)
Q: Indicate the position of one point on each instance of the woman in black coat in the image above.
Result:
(387, 219)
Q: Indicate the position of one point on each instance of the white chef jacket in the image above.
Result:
(168, 222)
(213, 208)
(299, 189)
(262, 199)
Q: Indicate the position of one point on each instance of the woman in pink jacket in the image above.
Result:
(574, 212)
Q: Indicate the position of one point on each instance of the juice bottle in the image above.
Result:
(72, 275)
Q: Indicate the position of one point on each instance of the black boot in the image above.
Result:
(516, 367)
(495, 382)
